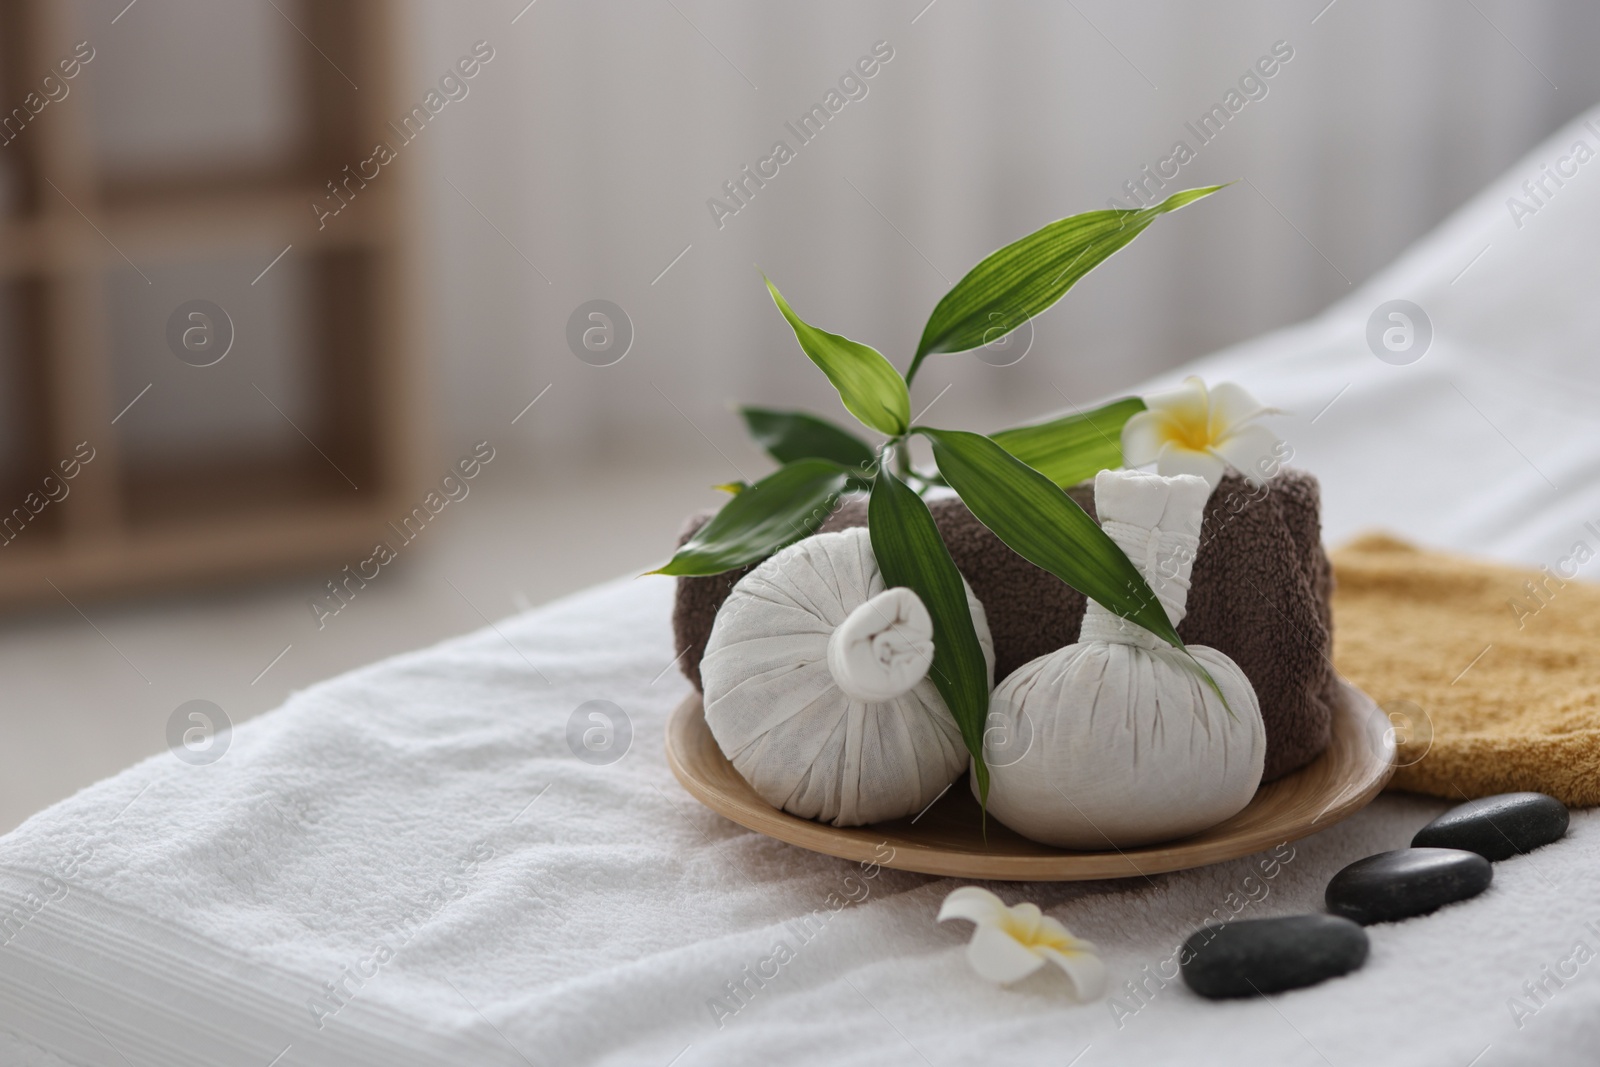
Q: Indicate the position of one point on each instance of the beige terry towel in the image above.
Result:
(1500, 665)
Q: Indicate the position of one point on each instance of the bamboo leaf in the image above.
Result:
(793, 435)
(1046, 527)
(871, 389)
(1024, 278)
(911, 553)
(1073, 448)
(781, 508)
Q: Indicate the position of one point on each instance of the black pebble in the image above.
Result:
(1406, 882)
(1498, 827)
(1253, 956)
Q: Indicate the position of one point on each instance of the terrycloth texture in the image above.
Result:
(1503, 662)
(784, 720)
(1115, 740)
(539, 906)
(1259, 595)
(195, 910)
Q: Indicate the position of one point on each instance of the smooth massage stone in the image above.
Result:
(1497, 827)
(1406, 882)
(1253, 956)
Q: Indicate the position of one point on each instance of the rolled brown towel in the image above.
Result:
(1259, 592)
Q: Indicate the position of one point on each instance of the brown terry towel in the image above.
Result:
(1259, 593)
(1500, 661)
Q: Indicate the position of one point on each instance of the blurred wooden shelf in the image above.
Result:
(96, 263)
(217, 547)
(22, 247)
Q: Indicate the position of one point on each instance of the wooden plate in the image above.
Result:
(947, 838)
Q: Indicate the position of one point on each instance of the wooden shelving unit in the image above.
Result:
(95, 258)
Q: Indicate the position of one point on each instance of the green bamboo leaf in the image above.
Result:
(872, 390)
(792, 435)
(781, 508)
(1046, 527)
(1021, 280)
(1070, 449)
(911, 553)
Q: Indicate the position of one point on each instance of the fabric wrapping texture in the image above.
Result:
(1116, 741)
(883, 647)
(1259, 594)
(780, 715)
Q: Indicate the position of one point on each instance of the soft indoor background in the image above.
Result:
(578, 167)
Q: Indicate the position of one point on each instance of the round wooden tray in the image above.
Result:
(947, 839)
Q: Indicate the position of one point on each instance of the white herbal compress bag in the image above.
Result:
(816, 686)
(1117, 740)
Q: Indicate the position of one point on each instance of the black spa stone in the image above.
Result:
(1253, 956)
(1497, 827)
(1406, 882)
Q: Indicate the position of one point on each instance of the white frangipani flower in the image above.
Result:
(1010, 943)
(1195, 430)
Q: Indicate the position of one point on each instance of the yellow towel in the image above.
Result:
(1504, 663)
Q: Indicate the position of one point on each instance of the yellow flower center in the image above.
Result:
(1035, 934)
(1189, 432)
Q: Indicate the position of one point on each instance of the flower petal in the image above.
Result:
(999, 957)
(1142, 438)
(1252, 450)
(1175, 459)
(974, 904)
(1187, 403)
(1232, 406)
(1025, 920)
(1051, 931)
(1083, 969)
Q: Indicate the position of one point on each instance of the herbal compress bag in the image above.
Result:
(1118, 740)
(816, 686)
(1260, 593)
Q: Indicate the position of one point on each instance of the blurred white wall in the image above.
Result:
(590, 145)
(581, 160)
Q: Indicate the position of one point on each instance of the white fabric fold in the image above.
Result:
(883, 648)
(1156, 522)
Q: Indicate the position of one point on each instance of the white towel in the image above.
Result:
(536, 903)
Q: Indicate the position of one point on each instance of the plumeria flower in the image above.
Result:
(1010, 943)
(1195, 430)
